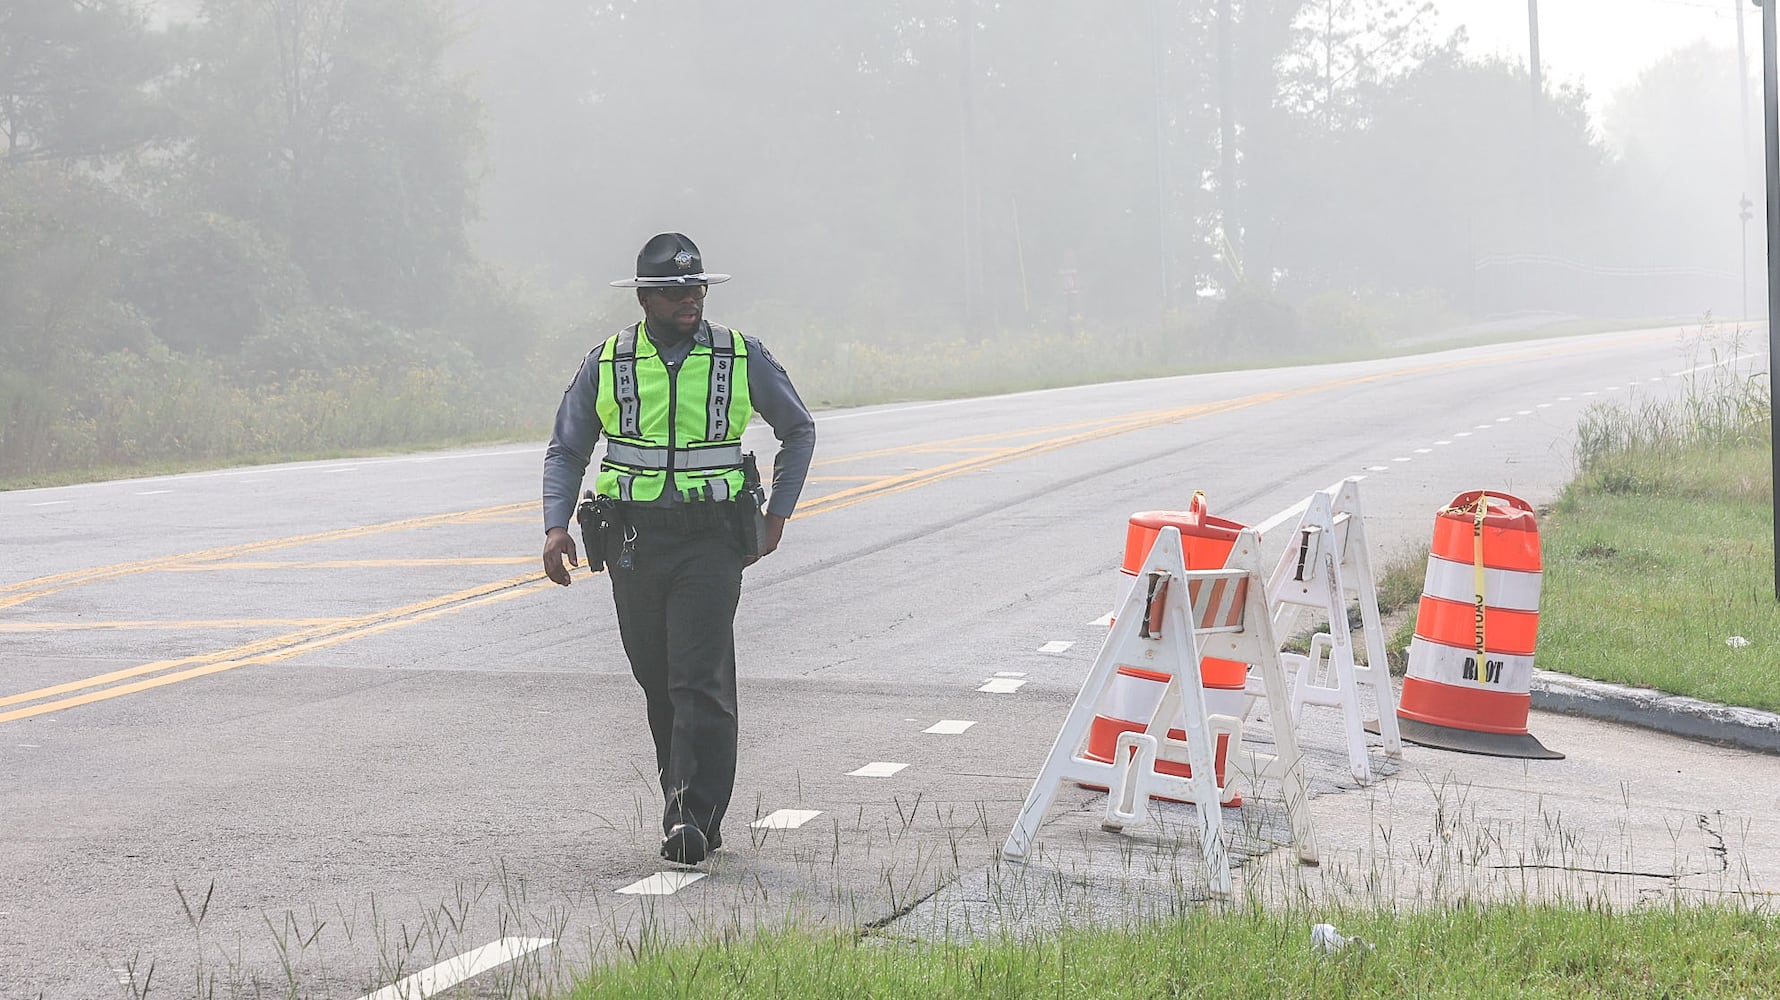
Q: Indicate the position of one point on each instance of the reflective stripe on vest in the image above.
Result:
(699, 441)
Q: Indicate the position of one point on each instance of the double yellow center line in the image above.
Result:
(321, 633)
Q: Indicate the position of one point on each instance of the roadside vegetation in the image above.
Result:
(1510, 950)
(1659, 555)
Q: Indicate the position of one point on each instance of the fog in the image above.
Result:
(344, 223)
(882, 165)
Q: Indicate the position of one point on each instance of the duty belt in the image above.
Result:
(679, 516)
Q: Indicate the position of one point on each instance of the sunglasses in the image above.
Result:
(680, 293)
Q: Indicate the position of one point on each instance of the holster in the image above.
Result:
(594, 513)
(751, 511)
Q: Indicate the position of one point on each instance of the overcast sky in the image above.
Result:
(1604, 43)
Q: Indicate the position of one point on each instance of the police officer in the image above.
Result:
(672, 395)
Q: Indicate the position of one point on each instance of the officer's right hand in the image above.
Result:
(558, 545)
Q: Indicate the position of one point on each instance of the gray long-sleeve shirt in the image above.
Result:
(769, 391)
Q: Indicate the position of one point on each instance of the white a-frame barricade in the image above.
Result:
(1326, 564)
(1170, 618)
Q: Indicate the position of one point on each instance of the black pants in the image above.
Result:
(676, 613)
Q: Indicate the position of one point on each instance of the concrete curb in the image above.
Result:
(1746, 728)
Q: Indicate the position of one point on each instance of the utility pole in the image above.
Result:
(1771, 127)
(1159, 59)
(1227, 137)
(1533, 47)
(1536, 67)
(1744, 205)
(971, 269)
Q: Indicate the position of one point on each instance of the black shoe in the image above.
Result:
(713, 840)
(684, 845)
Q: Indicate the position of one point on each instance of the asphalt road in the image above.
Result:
(325, 723)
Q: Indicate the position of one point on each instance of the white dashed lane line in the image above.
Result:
(51, 503)
(1107, 619)
(658, 884)
(1001, 685)
(949, 727)
(877, 769)
(785, 819)
(153, 493)
(1055, 646)
(452, 971)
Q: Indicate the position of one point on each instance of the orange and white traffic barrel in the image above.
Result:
(1471, 660)
(1206, 542)
(1127, 707)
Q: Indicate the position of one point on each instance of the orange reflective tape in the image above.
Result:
(1452, 624)
(1463, 707)
(1510, 532)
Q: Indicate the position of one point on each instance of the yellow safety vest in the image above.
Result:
(687, 423)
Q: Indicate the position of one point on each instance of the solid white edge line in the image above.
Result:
(452, 971)
(1298, 508)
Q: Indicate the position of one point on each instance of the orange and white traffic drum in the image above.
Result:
(1471, 660)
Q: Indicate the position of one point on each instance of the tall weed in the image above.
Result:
(1682, 446)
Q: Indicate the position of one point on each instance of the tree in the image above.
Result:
(1679, 176)
(72, 79)
(334, 127)
(1442, 176)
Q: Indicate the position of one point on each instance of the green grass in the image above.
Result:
(1653, 563)
(1510, 950)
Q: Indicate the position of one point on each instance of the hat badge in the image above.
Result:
(684, 260)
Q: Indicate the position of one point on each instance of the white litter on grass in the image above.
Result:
(1326, 939)
(1736, 642)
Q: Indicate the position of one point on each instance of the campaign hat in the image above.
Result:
(670, 259)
